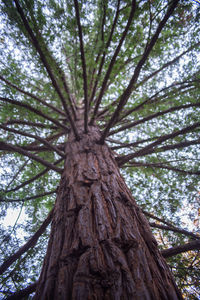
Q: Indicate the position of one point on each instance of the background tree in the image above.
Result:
(132, 69)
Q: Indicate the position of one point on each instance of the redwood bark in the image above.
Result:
(101, 245)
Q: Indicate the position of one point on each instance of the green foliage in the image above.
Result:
(163, 180)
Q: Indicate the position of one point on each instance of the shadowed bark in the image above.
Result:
(101, 245)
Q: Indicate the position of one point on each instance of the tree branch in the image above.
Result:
(9, 147)
(33, 178)
(17, 173)
(32, 96)
(112, 62)
(134, 144)
(83, 66)
(150, 117)
(55, 64)
(46, 65)
(194, 245)
(150, 215)
(36, 111)
(20, 122)
(23, 293)
(126, 94)
(38, 149)
(151, 147)
(30, 244)
(28, 198)
(51, 137)
(161, 166)
(175, 229)
(43, 141)
(169, 63)
(154, 98)
(104, 52)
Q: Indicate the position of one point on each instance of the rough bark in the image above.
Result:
(101, 245)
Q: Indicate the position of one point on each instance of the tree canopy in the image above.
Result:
(133, 69)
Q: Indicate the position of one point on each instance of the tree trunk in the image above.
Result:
(101, 245)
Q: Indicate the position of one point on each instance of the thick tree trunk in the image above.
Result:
(101, 246)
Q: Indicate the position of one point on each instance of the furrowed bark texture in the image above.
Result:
(101, 246)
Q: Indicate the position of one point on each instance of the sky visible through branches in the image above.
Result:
(133, 69)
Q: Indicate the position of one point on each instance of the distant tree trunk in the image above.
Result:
(101, 245)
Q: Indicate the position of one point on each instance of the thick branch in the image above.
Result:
(83, 66)
(9, 147)
(154, 98)
(162, 166)
(36, 111)
(194, 245)
(37, 149)
(112, 62)
(161, 149)
(126, 94)
(33, 178)
(43, 141)
(54, 64)
(150, 215)
(104, 52)
(151, 147)
(70, 97)
(34, 146)
(30, 244)
(175, 229)
(134, 144)
(153, 116)
(51, 137)
(178, 145)
(23, 293)
(169, 63)
(21, 122)
(32, 96)
(28, 198)
(45, 63)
